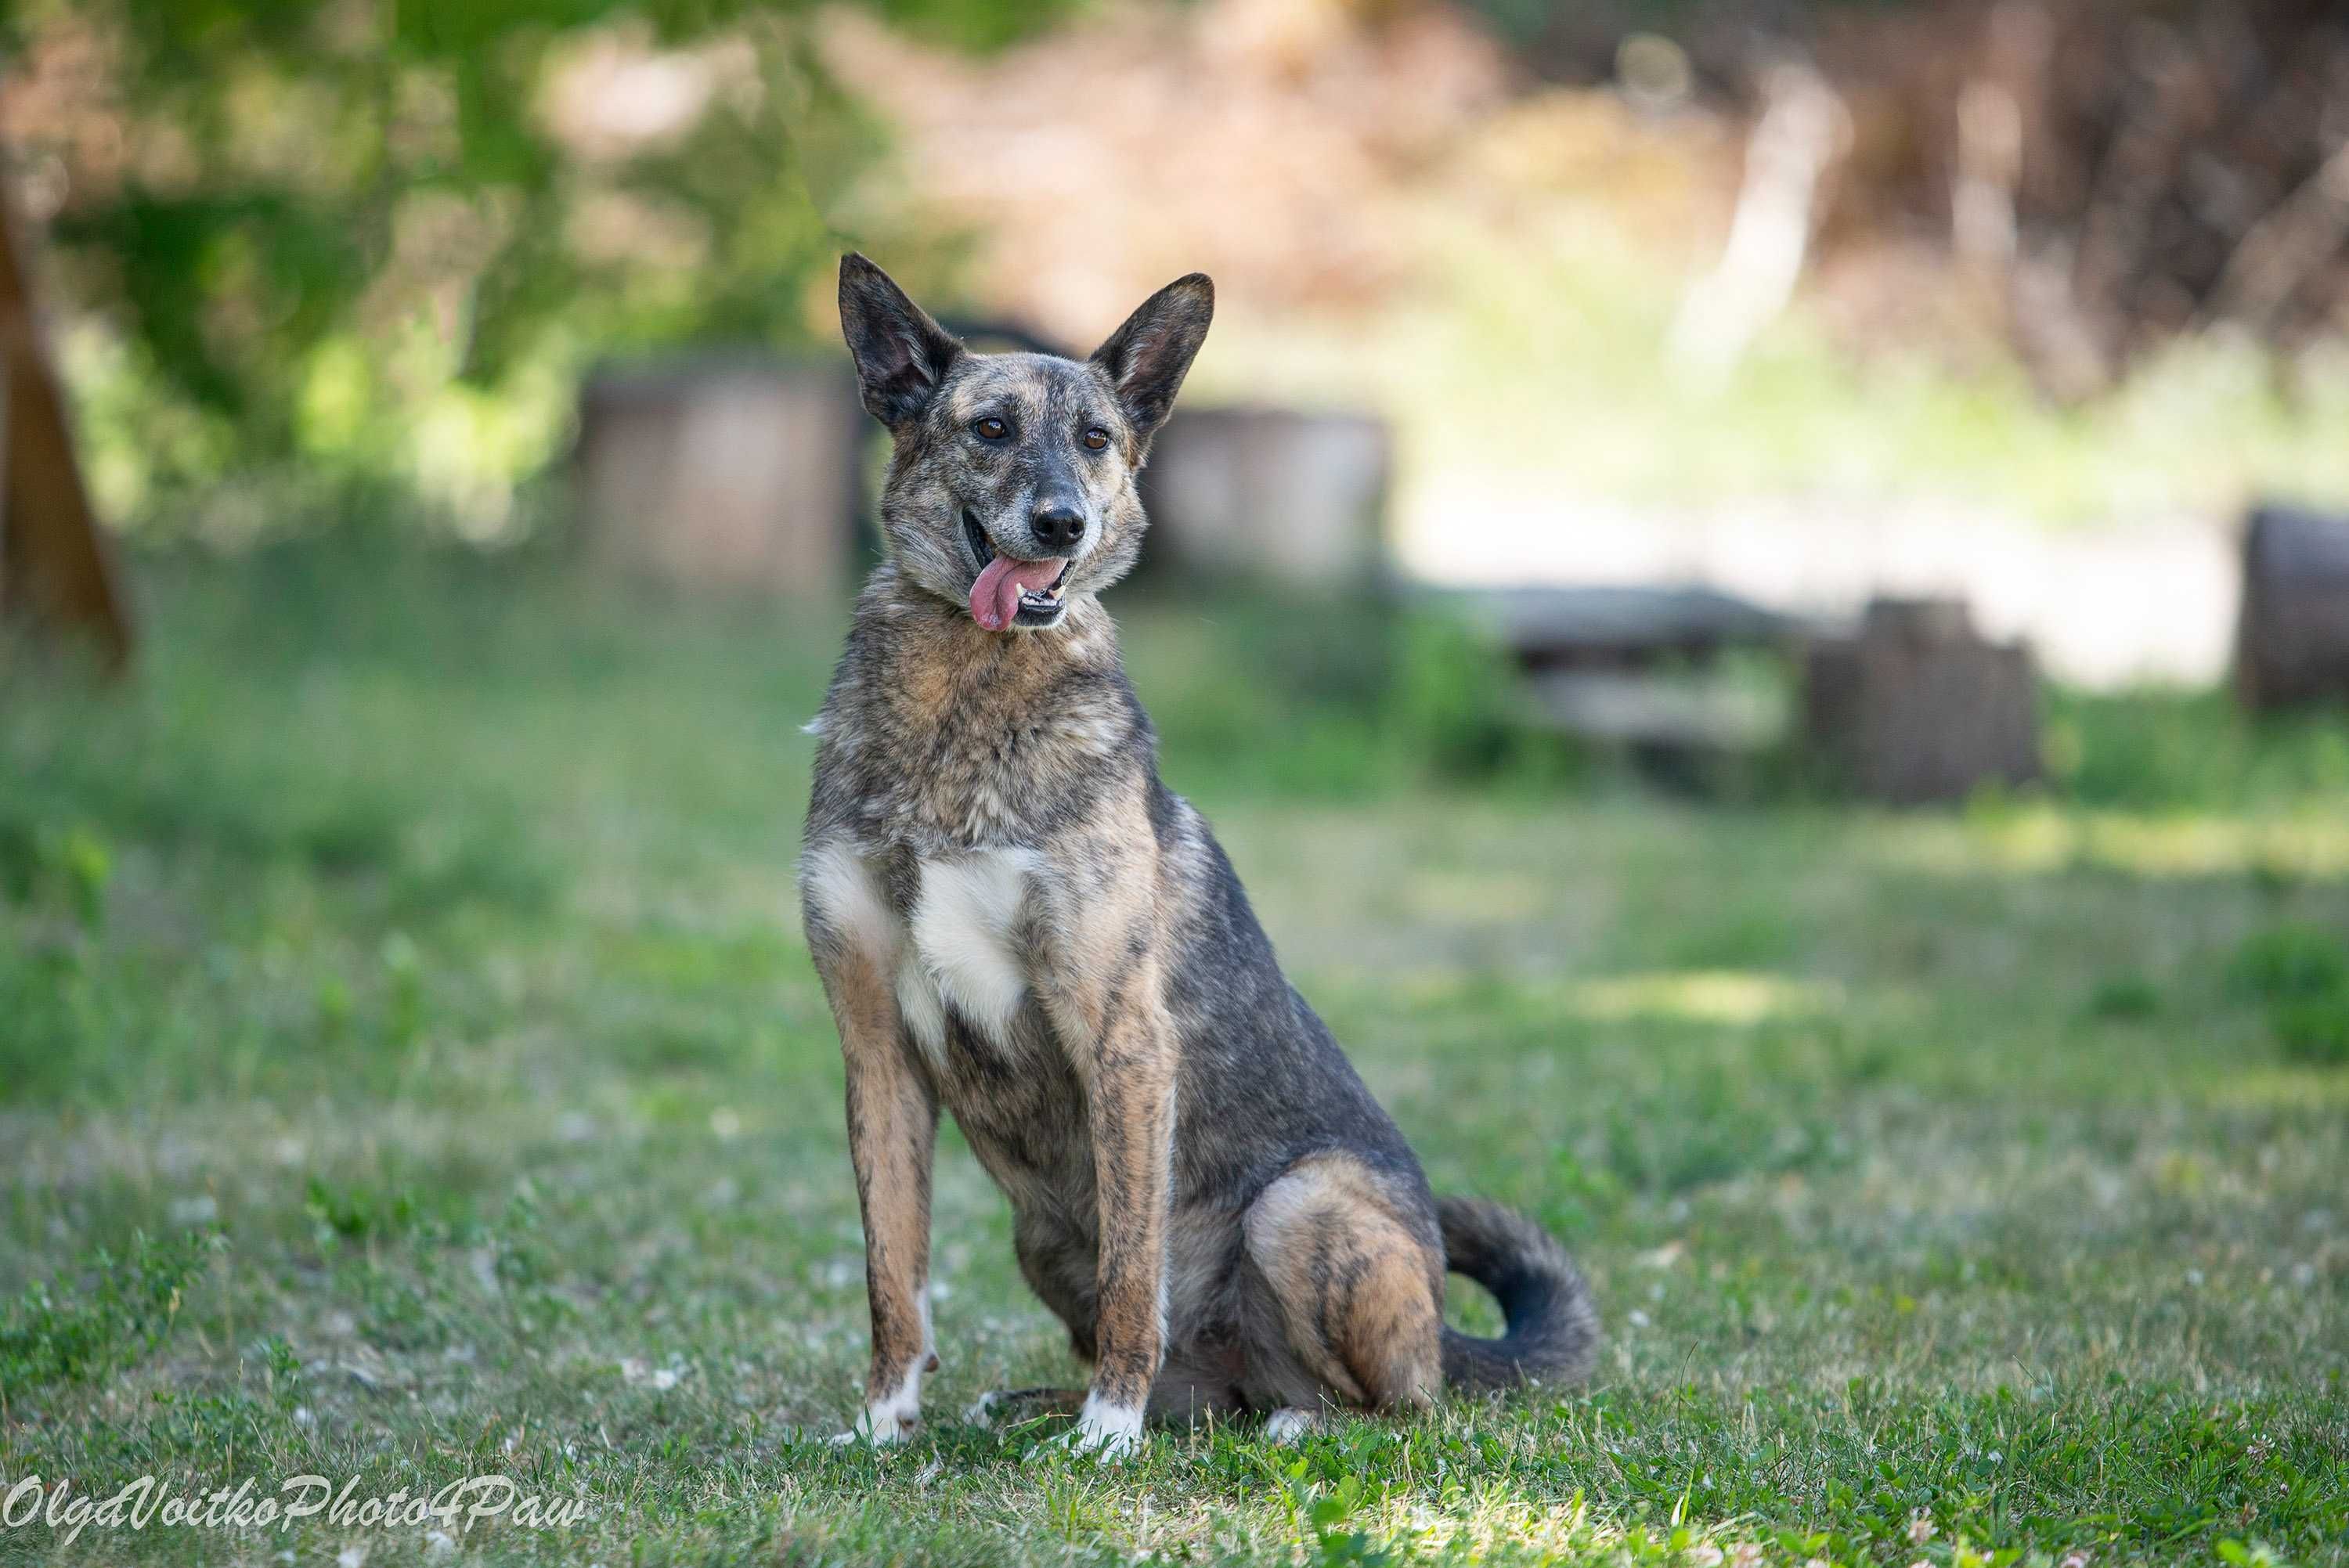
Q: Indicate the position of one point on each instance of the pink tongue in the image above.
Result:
(995, 597)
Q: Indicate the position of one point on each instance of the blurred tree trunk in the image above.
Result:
(53, 571)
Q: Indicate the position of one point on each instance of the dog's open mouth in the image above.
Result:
(1010, 589)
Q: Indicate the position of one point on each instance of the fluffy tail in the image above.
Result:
(1553, 1329)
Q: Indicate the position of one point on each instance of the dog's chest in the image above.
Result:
(969, 939)
(988, 752)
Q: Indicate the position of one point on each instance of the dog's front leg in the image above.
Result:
(1130, 1105)
(892, 1124)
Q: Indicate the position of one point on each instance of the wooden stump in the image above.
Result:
(2292, 641)
(1917, 708)
(730, 474)
(1295, 498)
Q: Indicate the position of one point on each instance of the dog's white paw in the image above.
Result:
(980, 1412)
(1105, 1430)
(878, 1428)
(891, 1420)
(1291, 1424)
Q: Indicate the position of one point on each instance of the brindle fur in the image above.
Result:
(1016, 920)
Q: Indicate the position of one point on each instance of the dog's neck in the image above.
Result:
(911, 621)
(942, 735)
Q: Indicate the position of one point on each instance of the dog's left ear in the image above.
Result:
(1146, 358)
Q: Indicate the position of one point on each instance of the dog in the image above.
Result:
(1016, 921)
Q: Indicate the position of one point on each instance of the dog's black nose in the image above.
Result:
(1057, 525)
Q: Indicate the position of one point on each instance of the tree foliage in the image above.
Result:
(373, 240)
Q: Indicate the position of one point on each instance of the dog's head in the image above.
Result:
(1012, 490)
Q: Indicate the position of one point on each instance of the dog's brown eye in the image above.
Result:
(1096, 438)
(992, 430)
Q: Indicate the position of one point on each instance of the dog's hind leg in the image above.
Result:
(1359, 1295)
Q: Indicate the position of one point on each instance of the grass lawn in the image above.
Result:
(409, 1069)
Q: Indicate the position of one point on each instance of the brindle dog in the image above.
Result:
(1016, 920)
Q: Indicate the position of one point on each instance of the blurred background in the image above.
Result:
(1731, 318)
(1758, 588)
(1736, 402)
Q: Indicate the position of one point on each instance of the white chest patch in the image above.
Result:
(961, 954)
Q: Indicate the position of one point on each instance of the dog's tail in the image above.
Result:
(1553, 1328)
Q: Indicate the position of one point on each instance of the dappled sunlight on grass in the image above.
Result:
(1708, 1001)
(1734, 997)
(2044, 839)
(2297, 1088)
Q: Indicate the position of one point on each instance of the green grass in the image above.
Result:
(409, 1069)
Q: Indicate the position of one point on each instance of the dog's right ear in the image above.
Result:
(901, 354)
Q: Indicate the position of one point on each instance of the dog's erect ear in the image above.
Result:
(901, 354)
(1146, 358)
